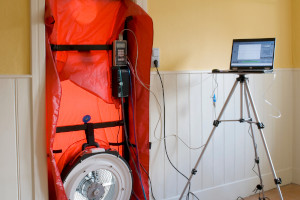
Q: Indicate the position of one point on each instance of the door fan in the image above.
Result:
(98, 174)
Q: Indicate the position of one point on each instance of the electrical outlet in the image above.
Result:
(155, 56)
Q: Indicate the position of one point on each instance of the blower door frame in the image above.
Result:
(95, 159)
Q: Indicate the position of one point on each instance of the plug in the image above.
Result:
(155, 63)
(155, 58)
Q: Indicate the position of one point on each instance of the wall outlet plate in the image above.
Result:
(155, 56)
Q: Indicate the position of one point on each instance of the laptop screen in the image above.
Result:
(253, 54)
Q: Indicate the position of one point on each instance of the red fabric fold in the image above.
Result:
(79, 83)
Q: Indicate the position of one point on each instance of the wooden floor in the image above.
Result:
(289, 192)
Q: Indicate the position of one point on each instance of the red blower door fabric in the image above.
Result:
(78, 83)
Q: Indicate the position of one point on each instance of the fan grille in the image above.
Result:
(100, 177)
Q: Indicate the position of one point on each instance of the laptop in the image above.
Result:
(251, 56)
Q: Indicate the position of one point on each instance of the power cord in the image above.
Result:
(150, 182)
(127, 142)
(213, 95)
(255, 164)
(147, 86)
(164, 131)
(136, 152)
(158, 139)
(128, 147)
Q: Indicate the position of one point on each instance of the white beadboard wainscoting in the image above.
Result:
(296, 117)
(16, 147)
(225, 172)
(226, 169)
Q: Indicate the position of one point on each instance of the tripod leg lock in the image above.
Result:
(194, 171)
(260, 125)
(259, 187)
(257, 160)
(216, 123)
(278, 181)
(242, 78)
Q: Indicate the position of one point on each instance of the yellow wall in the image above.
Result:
(296, 32)
(197, 34)
(14, 37)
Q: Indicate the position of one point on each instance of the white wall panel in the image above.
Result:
(142, 3)
(183, 124)
(219, 137)
(24, 133)
(157, 153)
(171, 176)
(296, 138)
(229, 133)
(196, 139)
(15, 139)
(207, 119)
(229, 158)
(9, 175)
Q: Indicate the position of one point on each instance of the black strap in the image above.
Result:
(121, 143)
(101, 47)
(116, 144)
(57, 151)
(90, 137)
(83, 127)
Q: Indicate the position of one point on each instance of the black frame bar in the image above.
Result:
(83, 127)
(83, 47)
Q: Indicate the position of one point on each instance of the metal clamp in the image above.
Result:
(216, 123)
(278, 181)
(260, 125)
(194, 171)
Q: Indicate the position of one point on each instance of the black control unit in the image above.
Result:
(120, 82)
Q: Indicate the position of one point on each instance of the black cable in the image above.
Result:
(149, 181)
(164, 124)
(188, 193)
(164, 130)
(118, 131)
(128, 147)
(135, 195)
(255, 163)
(136, 153)
(127, 142)
(194, 195)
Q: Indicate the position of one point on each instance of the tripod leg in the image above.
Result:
(216, 123)
(241, 100)
(255, 149)
(260, 126)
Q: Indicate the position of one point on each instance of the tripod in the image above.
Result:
(244, 93)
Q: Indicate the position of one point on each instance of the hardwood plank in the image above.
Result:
(289, 192)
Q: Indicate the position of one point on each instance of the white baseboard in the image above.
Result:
(296, 176)
(241, 188)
